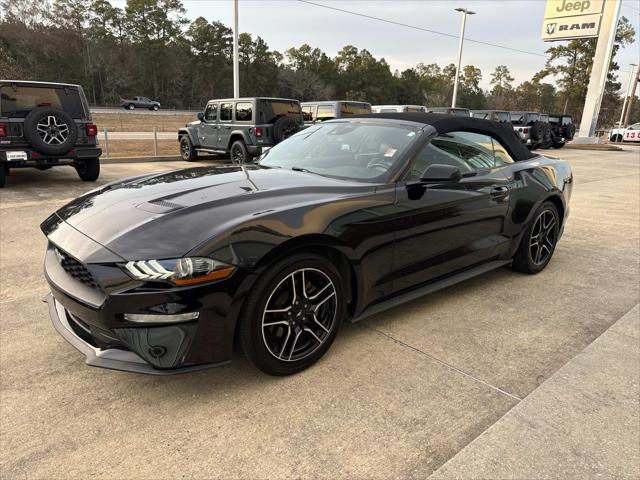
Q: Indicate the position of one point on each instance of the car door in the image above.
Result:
(208, 127)
(225, 124)
(446, 227)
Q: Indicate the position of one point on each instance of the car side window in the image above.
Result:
(470, 152)
(307, 113)
(211, 112)
(500, 153)
(225, 112)
(243, 112)
(325, 112)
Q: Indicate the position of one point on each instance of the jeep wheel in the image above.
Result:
(131, 106)
(88, 169)
(187, 152)
(3, 176)
(50, 131)
(239, 154)
(284, 128)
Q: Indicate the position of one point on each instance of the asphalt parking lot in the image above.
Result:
(398, 395)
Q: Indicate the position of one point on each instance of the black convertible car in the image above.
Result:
(164, 273)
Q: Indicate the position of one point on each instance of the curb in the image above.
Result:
(597, 146)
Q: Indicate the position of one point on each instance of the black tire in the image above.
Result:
(238, 153)
(88, 169)
(187, 152)
(50, 131)
(616, 138)
(570, 131)
(284, 128)
(527, 259)
(558, 145)
(269, 348)
(131, 106)
(537, 131)
(154, 108)
(3, 176)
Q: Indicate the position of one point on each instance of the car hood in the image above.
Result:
(171, 214)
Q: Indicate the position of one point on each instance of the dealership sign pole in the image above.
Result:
(573, 19)
(236, 69)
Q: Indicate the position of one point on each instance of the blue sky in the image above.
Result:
(515, 23)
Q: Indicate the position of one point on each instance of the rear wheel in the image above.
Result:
(131, 106)
(539, 240)
(3, 176)
(187, 152)
(292, 315)
(616, 138)
(239, 153)
(88, 169)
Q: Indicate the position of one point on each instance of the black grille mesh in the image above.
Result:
(76, 269)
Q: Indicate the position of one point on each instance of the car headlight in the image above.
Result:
(180, 271)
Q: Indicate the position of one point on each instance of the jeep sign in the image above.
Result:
(568, 28)
(572, 8)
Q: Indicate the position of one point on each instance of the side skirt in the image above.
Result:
(430, 288)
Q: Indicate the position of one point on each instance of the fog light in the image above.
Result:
(145, 318)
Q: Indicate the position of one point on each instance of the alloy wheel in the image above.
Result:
(299, 315)
(185, 150)
(237, 156)
(52, 130)
(543, 237)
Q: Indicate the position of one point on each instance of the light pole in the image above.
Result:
(626, 97)
(465, 12)
(236, 69)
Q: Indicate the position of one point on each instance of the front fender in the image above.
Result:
(193, 137)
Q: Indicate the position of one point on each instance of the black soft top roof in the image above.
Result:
(451, 123)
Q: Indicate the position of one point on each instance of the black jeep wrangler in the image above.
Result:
(43, 125)
(562, 129)
(240, 127)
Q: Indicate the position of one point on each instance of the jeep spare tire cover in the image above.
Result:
(50, 131)
(284, 128)
(537, 130)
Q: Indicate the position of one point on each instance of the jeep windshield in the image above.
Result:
(351, 150)
(524, 118)
(19, 101)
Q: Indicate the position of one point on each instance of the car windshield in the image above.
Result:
(353, 150)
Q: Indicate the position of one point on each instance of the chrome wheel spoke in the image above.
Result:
(284, 345)
(321, 302)
(320, 324)
(295, 342)
(313, 335)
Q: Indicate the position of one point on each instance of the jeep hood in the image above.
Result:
(172, 214)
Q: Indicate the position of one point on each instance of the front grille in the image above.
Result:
(76, 269)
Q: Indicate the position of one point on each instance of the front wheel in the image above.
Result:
(539, 240)
(292, 315)
(88, 169)
(187, 152)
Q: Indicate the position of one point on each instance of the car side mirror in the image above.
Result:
(439, 173)
(201, 116)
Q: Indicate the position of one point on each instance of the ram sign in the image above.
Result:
(569, 19)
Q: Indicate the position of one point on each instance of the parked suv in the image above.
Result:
(139, 102)
(320, 111)
(459, 112)
(240, 127)
(562, 129)
(397, 108)
(501, 116)
(43, 125)
(530, 128)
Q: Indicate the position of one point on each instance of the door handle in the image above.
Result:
(499, 192)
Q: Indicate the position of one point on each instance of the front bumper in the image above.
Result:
(111, 358)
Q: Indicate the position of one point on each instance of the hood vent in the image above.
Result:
(159, 206)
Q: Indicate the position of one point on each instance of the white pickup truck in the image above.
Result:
(629, 134)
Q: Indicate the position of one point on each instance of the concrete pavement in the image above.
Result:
(397, 396)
